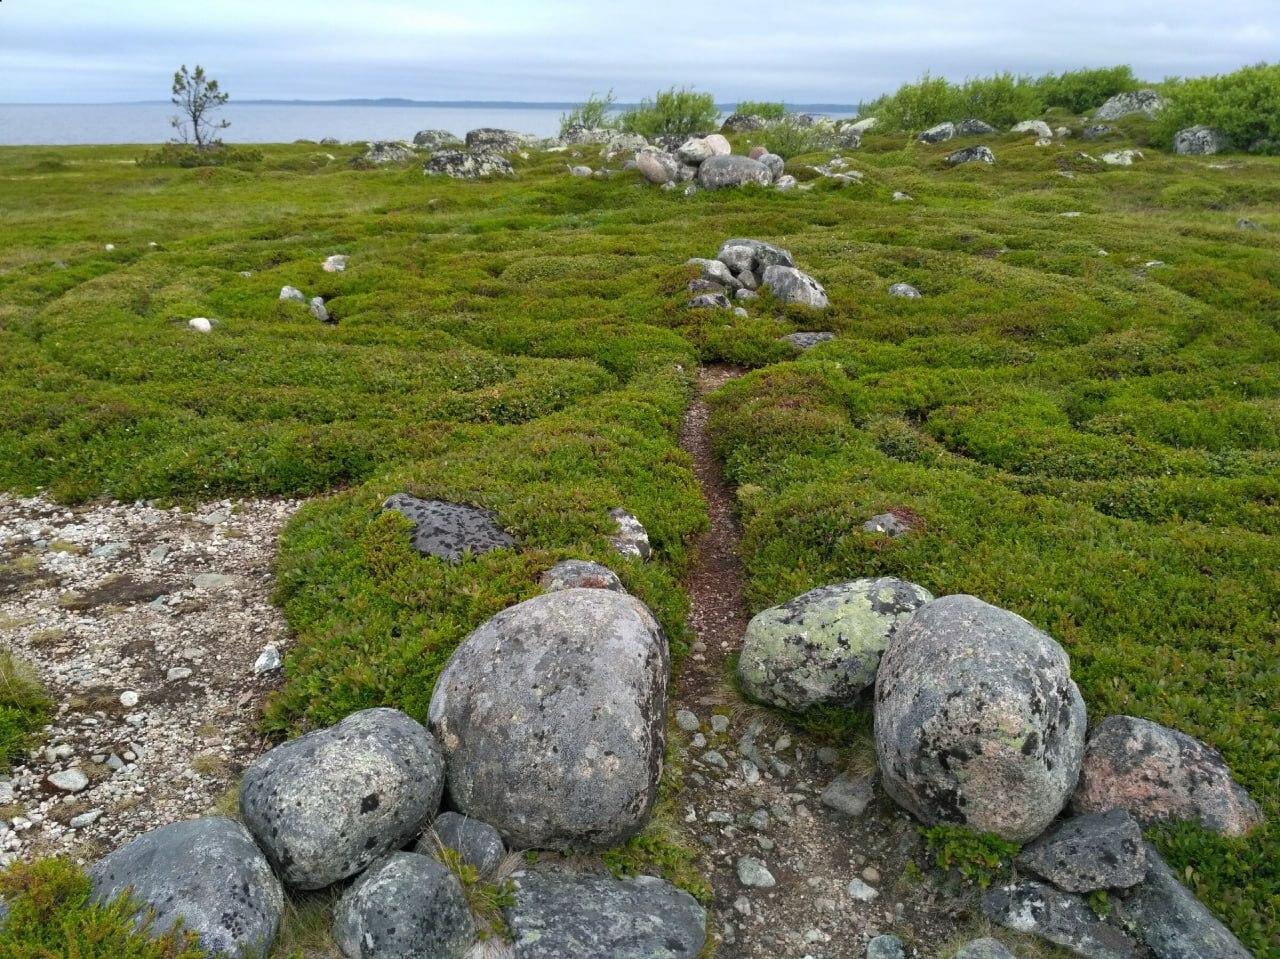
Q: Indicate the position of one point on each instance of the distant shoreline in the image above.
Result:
(442, 104)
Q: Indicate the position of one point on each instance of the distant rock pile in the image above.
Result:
(710, 162)
(742, 267)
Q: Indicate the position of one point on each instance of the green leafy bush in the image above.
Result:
(1001, 100)
(672, 112)
(978, 857)
(765, 109)
(1244, 105)
(595, 114)
(24, 708)
(789, 139)
(1082, 91)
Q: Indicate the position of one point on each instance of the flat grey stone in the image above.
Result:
(1061, 917)
(859, 890)
(449, 530)
(850, 794)
(807, 341)
(985, 948)
(687, 721)
(885, 947)
(69, 781)
(1087, 853)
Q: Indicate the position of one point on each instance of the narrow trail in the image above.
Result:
(827, 882)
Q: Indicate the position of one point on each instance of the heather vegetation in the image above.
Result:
(1080, 414)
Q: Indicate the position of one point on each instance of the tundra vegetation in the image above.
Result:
(1081, 414)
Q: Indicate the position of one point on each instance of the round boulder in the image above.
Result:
(1158, 774)
(327, 804)
(1200, 141)
(434, 139)
(719, 171)
(977, 720)
(404, 905)
(206, 873)
(477, 843)
(823, 648)
(657, 166)
(552, 716)
(790, 285)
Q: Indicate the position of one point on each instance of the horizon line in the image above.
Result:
(401, 101)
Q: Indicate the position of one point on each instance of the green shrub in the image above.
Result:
(672, 111)
(1082, 91)
(24, 708)
(1001, 100)
(789, 139)
(978, 857)
(595, 114)
(1244, 105)
(185, 155)
(765, 109)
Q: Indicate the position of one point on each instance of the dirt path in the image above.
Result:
(753, 786)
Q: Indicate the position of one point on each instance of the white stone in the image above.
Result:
(200, 324)
(335, 264)
(267, 661)
(128, 699)
(70, 781)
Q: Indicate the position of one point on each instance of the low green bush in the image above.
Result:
(1244, 105)
(789, 139)
(1082, 91)
(765, 109)
(672, 111)
(185, 155)
(596, 113)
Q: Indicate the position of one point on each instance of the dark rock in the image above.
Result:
(718, 172)
(1158, 774)
(823, 647)
(974, 128)
(632, 539)
(1200, 141)
(885, 947)
(578, 574)
(743, 123)
(764, 254)
(553, 719)
(807, 341)
(789, 285)
(477, 843)
(1096, 131)
(325, 805)
(449, 530)
(847, 139)
(1147, 102)
(979, 154)
(463, 165)
(405, 905)
(206, 873)
(434, 139)
(938, 134)
(888, 524)
(977, 721)
(1169, 919)
(1087, 853)
(1060, 917)
(561, 915)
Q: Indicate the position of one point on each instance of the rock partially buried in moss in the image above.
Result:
(823, 647)
(977, 720)
(1158, 774)
(1060, 917)
(404, 905)
(790, 285)
(206, 873)
(462, 165)
(448, 530)
(979, 154)
(327, 804)
(552, 716)
(579, 574)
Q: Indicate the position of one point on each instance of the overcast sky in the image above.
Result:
(97, 51)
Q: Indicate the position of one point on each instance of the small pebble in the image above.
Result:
(128, 699)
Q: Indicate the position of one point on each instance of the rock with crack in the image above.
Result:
(632, 539)
(1158, 774)
(977, 720)
(327, 804)
(404, 905)
(206, 874)
(477, 843)
(1168, 918)
(449, 530)
(1087, 853)
(579, 574)
(1060, 917)
(568, 914)
(823, 647)
(790, 285)
(552, 716)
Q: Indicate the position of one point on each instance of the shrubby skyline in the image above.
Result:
(86, 51)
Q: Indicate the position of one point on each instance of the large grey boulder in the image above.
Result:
(560, 915)
(978, 154)
(623, 144)
(553, 719)
(208, 874)
(657, 166)
(694, 150)
(449, 530)
(1200, 141)
(325, 805)
(1158, 774)
(1147, 102)
(789, 285)
(977, 720)
(477, 843)
(718, 172)
(579, 135)
(1087, 853)
(938, 134)
(974, 127)
(389, 151)
(1035, 127)
(822, 648)
(434, 139)
(775, 164)
(403, 906)
(491, 140)
(1168, 918)
(715, 271)
(764, 254)
(1061, 917)
(464, 165)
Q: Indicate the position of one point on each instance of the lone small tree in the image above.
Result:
(197, 97)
